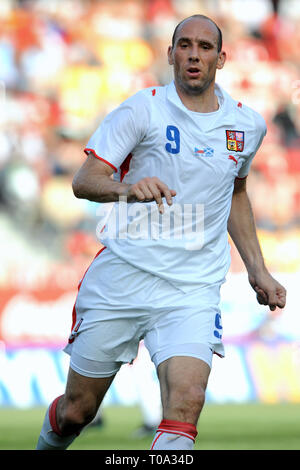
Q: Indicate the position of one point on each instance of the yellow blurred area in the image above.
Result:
(275, 372)
(82, 90)
(87, 91)
(134, 55)
(59, 205)
(281, 249)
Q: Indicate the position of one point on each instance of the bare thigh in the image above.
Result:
(183, 381)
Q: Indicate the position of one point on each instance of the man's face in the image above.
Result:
(195, 55)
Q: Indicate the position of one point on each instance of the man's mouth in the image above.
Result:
(193, 72)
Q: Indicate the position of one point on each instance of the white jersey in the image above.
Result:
(199, 156)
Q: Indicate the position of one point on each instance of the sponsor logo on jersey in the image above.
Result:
(231, 157)
(206, 152)
(235, 140)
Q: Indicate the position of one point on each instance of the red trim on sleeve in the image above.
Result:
(87, 150)
(125, 166)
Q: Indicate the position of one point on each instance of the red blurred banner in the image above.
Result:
(36, 317)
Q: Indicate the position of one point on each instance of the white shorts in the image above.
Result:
(118, 305)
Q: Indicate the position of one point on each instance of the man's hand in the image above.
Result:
(268, 290)
(151, 189)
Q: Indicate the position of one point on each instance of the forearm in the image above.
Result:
(241, 227)
(99, 188)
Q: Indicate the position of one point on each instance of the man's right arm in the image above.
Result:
(94, 182)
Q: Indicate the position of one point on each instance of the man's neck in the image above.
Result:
(206, 102)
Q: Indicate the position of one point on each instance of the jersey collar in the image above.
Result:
(225, 118)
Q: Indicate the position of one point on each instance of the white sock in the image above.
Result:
(174, 435)
(50, 437)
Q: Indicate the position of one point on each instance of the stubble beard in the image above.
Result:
(195, 89)
(191, 89)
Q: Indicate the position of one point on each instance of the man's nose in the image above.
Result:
(194, 56)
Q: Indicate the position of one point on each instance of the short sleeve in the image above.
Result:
(261, 131)
(120, 132)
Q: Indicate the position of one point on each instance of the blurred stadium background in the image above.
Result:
(63, 65)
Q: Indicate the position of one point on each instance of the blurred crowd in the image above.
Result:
(66, 63)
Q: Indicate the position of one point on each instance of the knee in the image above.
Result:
(75, 413)
(193, 398)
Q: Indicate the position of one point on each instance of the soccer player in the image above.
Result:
(180, 155)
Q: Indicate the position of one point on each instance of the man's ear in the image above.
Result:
(221, 60)
(170, 57)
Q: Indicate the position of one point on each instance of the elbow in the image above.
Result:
(78, 188)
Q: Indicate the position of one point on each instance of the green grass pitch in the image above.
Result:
(221, 427)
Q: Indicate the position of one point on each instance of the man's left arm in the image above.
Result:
(241, 227)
